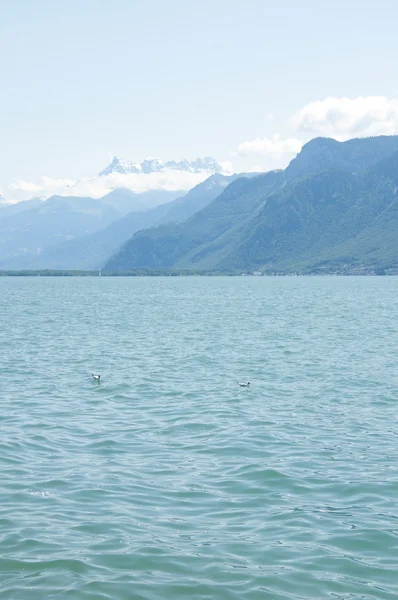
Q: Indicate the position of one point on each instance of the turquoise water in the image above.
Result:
(167, 480)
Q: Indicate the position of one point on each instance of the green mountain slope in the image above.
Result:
(170, 245)
(335, 206)
(329, 219)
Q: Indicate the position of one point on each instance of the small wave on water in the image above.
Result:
(167, 480)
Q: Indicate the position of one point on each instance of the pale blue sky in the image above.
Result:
(84, 78)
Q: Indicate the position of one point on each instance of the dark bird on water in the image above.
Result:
(96, 377)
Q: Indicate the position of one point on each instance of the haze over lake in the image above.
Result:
(167, 480)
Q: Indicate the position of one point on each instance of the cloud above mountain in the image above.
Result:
(274, 147)
(266, 153)
(172, 176)
(339, 118)
(344, 118)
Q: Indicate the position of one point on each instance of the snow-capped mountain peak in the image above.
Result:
(152, 165)
(118, 165)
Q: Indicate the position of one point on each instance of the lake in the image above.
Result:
(167, 480)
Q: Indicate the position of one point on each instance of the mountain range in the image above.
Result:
(333, 209)
(92, 250)
(154, 165)
(28, 228)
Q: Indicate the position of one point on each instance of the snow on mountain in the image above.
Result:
(154, 165)
(152, 174)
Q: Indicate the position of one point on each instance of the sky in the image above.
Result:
(244, 81)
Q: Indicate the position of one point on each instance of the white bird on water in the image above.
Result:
(96, 377)
(244, 384)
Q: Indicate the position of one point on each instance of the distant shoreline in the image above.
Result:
(365, 272)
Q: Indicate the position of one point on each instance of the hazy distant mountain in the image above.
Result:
(91, 251)
(334, 208)
(126, 201)
(49, 222)
(7, 210)
(28, 228)
(152, 165)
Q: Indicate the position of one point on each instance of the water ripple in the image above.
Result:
(166, 480)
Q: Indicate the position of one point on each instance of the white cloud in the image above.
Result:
(24, 186)
(274, 147)
(46, 183)
(97, 187)
(345, 118)
(227, 167)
